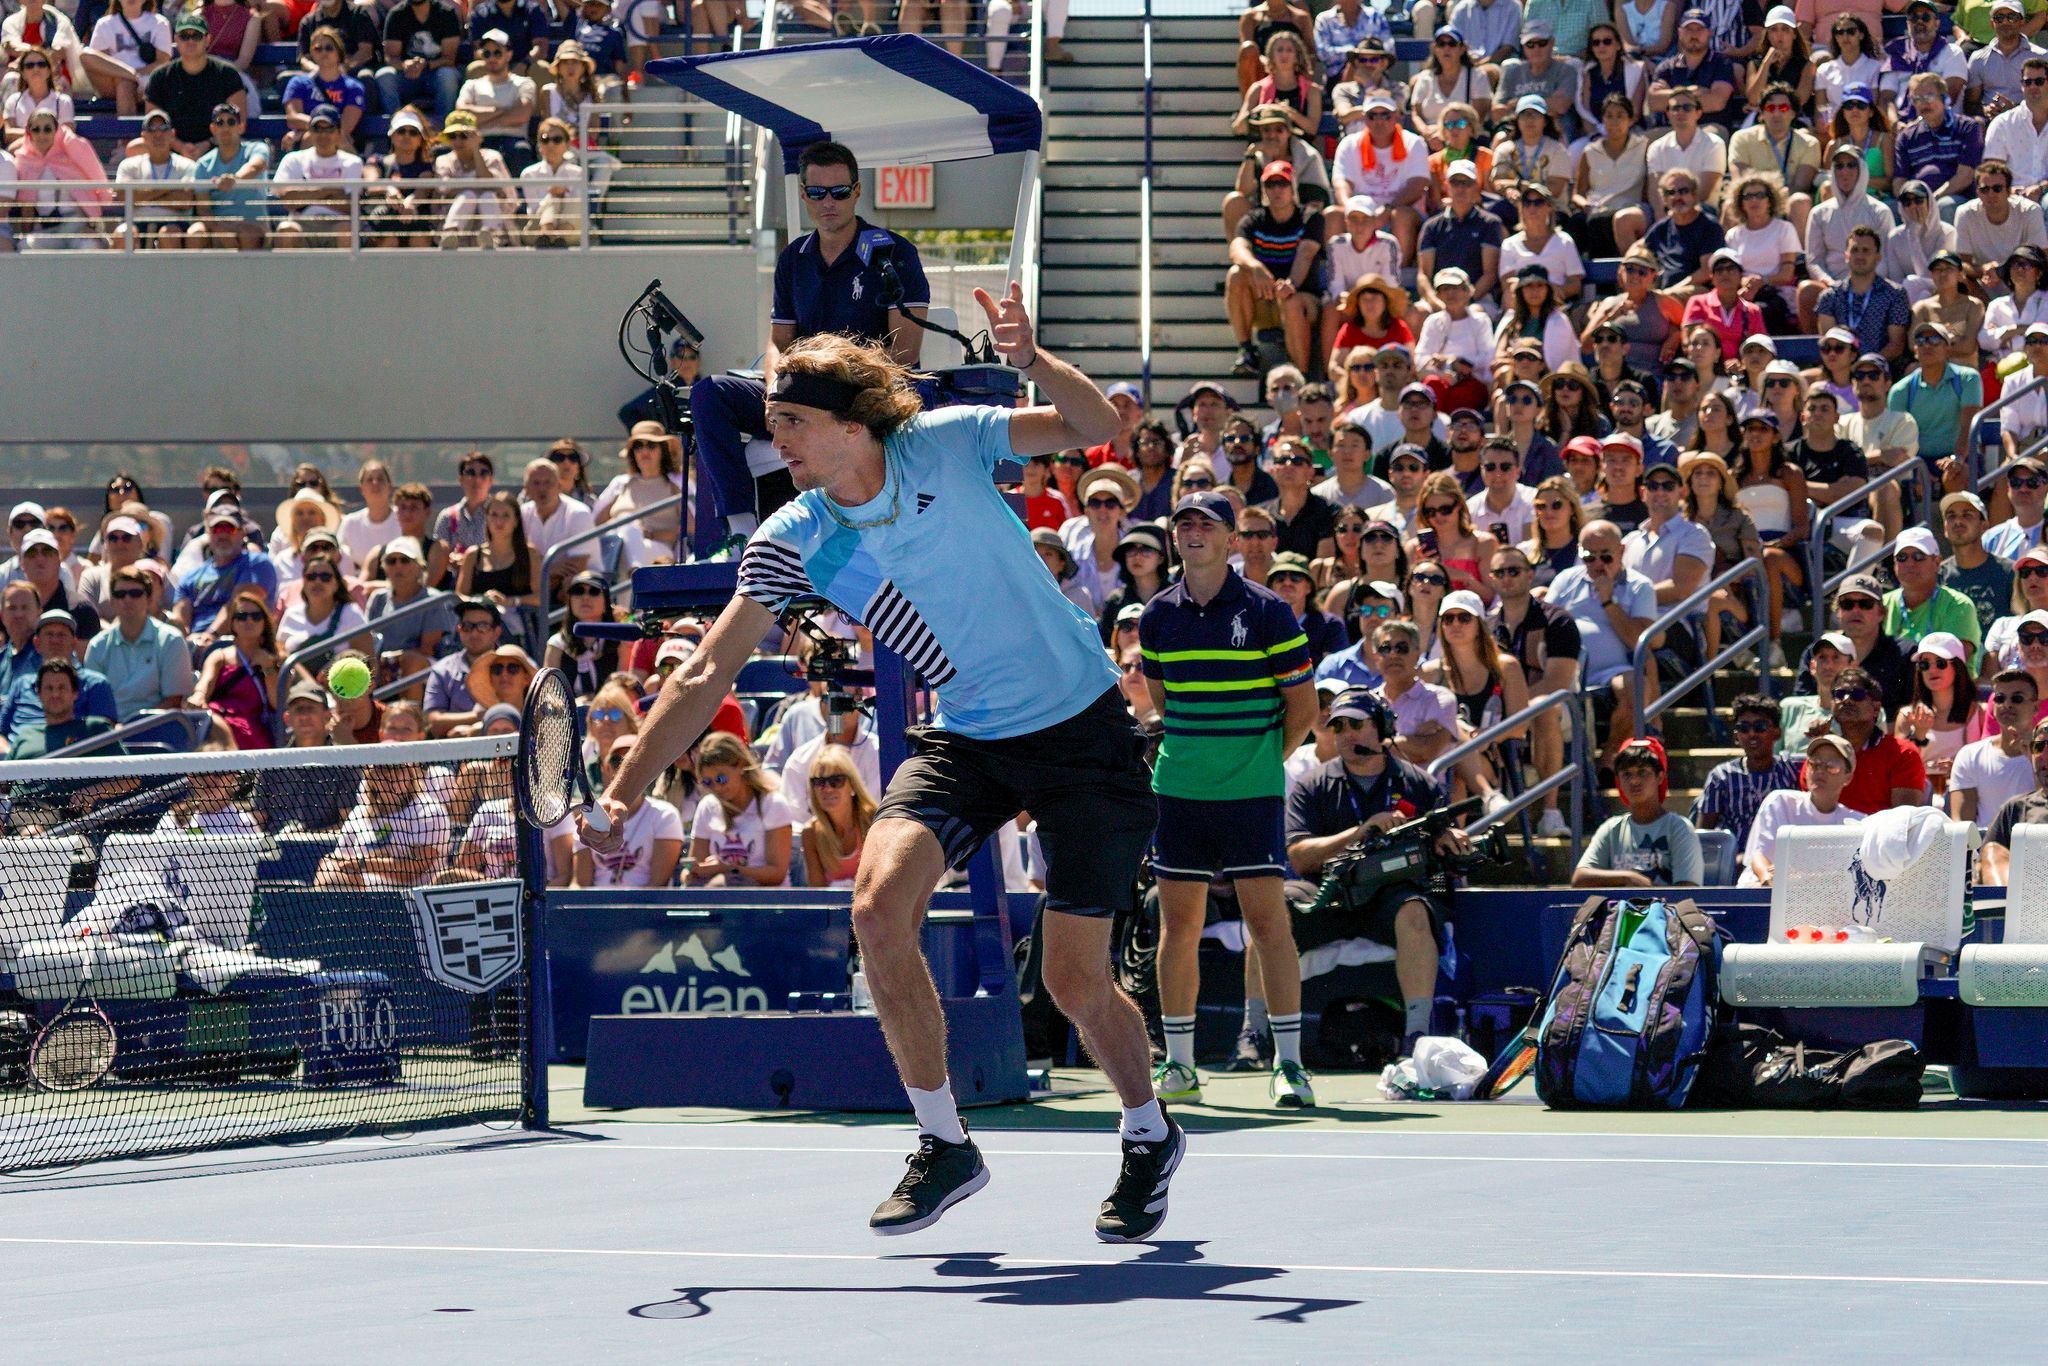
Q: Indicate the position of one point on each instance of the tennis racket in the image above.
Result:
(1513, 1063)
(547, 774)
(76, 1049)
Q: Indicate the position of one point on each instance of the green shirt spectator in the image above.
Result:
(1920, 606)
(146, 660)
(42, 739)
(1941, 397)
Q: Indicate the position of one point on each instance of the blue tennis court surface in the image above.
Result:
(1359, 1236)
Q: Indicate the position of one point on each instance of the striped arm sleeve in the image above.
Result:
(1287, 648)
(772, 573)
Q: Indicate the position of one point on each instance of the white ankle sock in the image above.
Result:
(1255, 1017)
(1418, 1012)
(1144, 1123)
(1180, 1039)
(936, 1113)
(1287, 1038)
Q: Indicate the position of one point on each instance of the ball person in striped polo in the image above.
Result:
(1231, 675)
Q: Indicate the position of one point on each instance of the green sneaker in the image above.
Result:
(1289, 1088)
(1174, 1081)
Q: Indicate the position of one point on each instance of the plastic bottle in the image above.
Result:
(863, 1004)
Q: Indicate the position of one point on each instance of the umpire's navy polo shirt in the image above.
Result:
(845, 296)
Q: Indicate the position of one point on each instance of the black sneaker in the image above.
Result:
(1137, 1207)
(1253, 1053)
(941, 1175)
(1247, 360)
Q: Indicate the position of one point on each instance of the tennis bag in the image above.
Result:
(1631, 1006)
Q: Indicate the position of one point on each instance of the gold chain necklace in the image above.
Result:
(891, 483)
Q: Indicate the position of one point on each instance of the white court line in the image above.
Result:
(1204, 1154)
(1523, 1272)
(1309, 1130)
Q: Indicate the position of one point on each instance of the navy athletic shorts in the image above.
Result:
(1082, 779)
(1197, 840)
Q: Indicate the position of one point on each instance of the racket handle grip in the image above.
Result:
(608, 630)
(598, 819)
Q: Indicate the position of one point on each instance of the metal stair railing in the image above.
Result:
(1643, 657)
(1573, 772)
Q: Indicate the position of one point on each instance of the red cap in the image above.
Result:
(1277, 170)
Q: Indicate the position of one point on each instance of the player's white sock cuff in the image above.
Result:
(1255, 1017)
(1144, 1123)
(937, 1114)
(1418, 1012)
(1287, 1038)
(1180, 1039)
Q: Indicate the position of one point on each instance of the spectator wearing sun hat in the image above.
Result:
(1141, 574)
(1106, 494)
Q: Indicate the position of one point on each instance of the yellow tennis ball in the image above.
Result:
(348, 678)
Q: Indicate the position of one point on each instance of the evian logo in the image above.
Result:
(686, 958)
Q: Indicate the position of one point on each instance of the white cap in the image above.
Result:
(127, 524)
(1461, 170)
(1837, 642)
(1917, 538)
(1780, 14)
(1451, 275)
(1380, 99)
(29, 509)
(1762, 339)
(1380, 588)
(1364, 203)
(2037, 617)
(405, 118)
(407, 547)
(1621, 439)
(676, 648)
(1940, 644)
(1464, 600)
(38, 537)
(1840, 334)
(1782, 367)
(504, 39)
(2014, 5)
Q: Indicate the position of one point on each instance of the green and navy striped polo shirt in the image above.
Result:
(1222, 665)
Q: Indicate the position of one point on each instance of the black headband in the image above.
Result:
(815, 391)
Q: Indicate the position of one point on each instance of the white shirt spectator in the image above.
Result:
(2013, 139)
(796, 774)
(741, 839)
(1560, 256)
(294, 630)
(1832, 76)
(228, 820)
(1604, 654)
(1984, 768)
(1374, 492)
(1393, 167)
(631, 864)
(306, 166)
(1655, 554)
(1706, 155)
(1350, 263)
(1519, 514)
(536, 179)
(113, 37)
(571, 518)
(1782, 810)
(359, 536)
(802, 720)
(1560, 343)
(1761, 249)
(21, 104)
(60, 35)
(421, 823)
(1468, 338)
(140, 170)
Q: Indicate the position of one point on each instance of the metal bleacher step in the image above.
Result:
(1122, 306)
(1130, 124)
(1096, 252)
(1072, 332)
(1216, 104)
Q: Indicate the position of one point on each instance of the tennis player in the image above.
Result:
(899, 524)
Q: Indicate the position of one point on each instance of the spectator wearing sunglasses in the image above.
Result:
(2019, 136)
(234, 203)
(1107, 495)
(1613, 607)
(1889, 770)
(144, 658)
(1706, 74)
(449, 702)
(1816, 800)
(844, 276)
(1544, 639)
(1859, 620)
(328, 83)
(1921, 606)
(501, 100)
(1734, 790)
(846, 727)
(1989, 772)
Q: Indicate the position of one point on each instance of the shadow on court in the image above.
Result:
(1165, 1273)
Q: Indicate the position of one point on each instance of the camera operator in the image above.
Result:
(1366, 788)
(835, 279)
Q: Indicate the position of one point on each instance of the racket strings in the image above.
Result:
(550, 749)
(74, 1052)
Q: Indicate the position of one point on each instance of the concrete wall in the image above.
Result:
(298, 346)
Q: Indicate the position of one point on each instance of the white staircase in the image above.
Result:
(1095, 148)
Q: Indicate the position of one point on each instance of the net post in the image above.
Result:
(539, 986)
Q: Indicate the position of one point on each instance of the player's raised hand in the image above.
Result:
(604, 841)
(1010, 326)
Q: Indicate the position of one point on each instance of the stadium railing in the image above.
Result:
(1573, 773)
(193, 722)
(1679, 615)
(433, 601)
(562, 548)
(1912, 470)
(1983, 470)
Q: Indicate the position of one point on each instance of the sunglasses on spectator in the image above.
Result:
(1661, 485)
(1411, 466)
(1853, 695)
(1394, 647)
(1521, 400)
(1756, 194)
(2036, 636)
(120, 593)
(1686, 107)
(586, 590)
(406, 132)
(1508, 571)
(1116, 503)
(1377, 609)
(1536, 42)
(506, 668)
(1602, 42)
(1280, 460)
(548, 139)
(491, 50)
(2033, 82)
(1634, 268)
(2026, 483)
(1928, 663)
(35, 66)
(1500, 466)
(475, 624)
(611, 716)
(250, 616)
(1075, 461)
(25, 523)
(321, 576)
(1835, 346)
(1430, 580)
(62, 524)
(1911, 556)
(1597, 556)
(1258, 535)
(1551, 505)
(1446, 42)
(1237, 438)
(1456, 619)
(718, 779)
(814, 193)
(2034, 571)
(1351, 528)
(833, 781)
(1198, 482)
(2012, 699)
(455, 135)
(1866, 374)
(1340, 724)
(1912, 199)
(1378, 115)
(1435, 510)
(1457, 123)
(123, 537)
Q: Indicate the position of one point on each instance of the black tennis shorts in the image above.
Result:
(1083, 780)
(1199, 840)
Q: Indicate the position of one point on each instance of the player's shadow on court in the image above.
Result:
(1165, 1272)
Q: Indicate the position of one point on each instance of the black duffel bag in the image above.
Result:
(1751, 1067)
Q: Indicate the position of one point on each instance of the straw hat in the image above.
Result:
(1698, 460)
(330, 515)
(1396, 297)
(1571, 369)
(486, 690)
(1122, 483)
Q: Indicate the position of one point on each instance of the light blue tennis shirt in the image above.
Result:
(951, 583)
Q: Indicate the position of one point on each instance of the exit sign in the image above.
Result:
(903, 187)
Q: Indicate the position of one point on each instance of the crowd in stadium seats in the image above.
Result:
(245, 125)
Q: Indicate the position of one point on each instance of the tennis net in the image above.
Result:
(287, 944)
